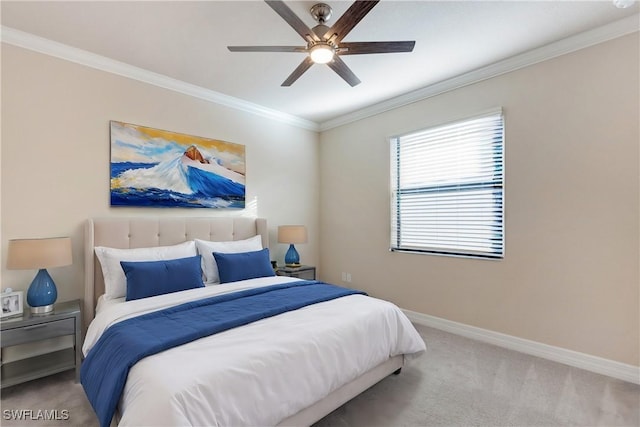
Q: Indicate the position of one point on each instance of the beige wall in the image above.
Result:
(55, 156)
(570, 274)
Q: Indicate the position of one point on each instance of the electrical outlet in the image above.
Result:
(348, 277)
(344, 276)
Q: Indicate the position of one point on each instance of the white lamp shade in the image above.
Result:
(34, 254)
(292, 234)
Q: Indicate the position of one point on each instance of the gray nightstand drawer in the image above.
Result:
(65, 320)
(37, 332)
(305, 275)
(304, 272)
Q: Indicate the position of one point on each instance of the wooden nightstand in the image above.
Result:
(305, 272)
(66, 319)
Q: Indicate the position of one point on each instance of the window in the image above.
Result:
(447, 189)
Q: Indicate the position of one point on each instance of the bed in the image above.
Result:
(289, 369)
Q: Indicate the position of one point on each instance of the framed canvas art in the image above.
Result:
(158, 168)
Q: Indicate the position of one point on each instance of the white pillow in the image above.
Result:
(206, 249)
(115, 282)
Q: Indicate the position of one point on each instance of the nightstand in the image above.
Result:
(305, 272)
(66, 319)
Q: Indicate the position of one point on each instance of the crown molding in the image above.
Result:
(571, 44)
(82, 57)
(580, 41)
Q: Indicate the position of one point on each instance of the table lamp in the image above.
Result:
(40, 254)
(292, 234)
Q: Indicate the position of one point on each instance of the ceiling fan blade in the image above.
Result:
(343, 71)
(349, 19)
(267, 48)
(358, 48)
(292, 19)
(304, 66)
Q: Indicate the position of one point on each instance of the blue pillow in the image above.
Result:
(150, 278)
(244, 265)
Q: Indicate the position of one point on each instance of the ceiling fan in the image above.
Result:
(324, 44)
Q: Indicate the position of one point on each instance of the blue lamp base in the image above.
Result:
(292, 258)
(42, 293)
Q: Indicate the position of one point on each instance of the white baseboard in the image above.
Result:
(576, 359)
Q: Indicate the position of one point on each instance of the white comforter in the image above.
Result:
(261, 373)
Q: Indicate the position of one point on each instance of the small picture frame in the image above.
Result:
(12, 303)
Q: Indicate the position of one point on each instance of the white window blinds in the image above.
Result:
(447, 189)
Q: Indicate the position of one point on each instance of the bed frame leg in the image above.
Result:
(397, 371)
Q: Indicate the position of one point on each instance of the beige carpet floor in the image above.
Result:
(458, 382)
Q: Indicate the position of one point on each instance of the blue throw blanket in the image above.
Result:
(105, 370)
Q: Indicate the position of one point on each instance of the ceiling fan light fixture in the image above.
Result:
(324, 44)
(321, 53)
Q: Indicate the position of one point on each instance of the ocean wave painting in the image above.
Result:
(157, 168)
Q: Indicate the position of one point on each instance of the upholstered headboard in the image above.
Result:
(126, 233)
